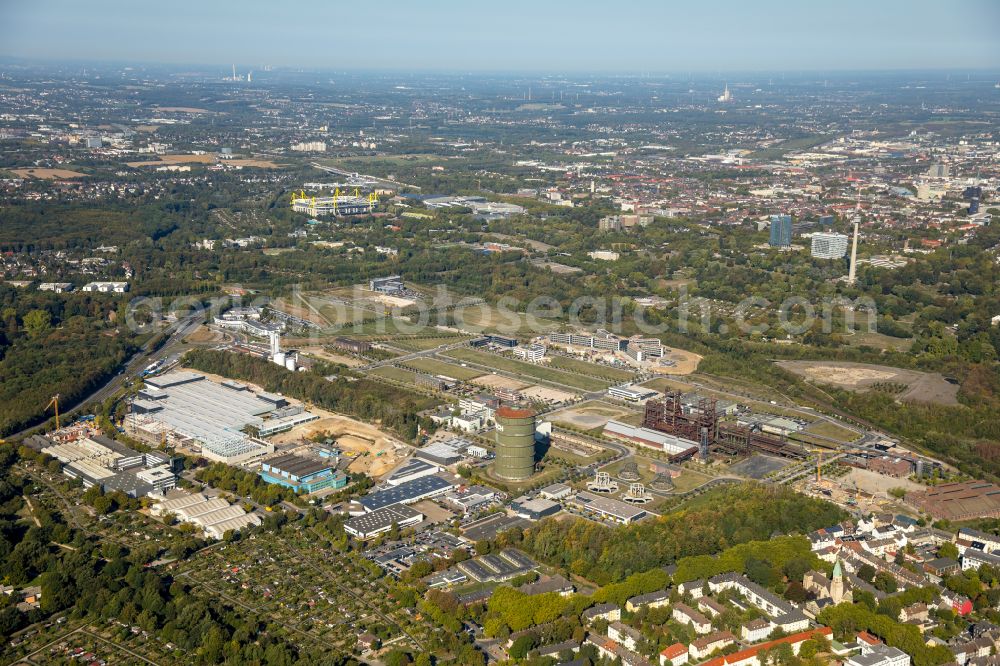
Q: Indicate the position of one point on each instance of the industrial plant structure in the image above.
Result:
(515, 443)
(700, 423)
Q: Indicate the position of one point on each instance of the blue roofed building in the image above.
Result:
(302, 474)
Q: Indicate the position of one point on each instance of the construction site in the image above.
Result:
(700, 423)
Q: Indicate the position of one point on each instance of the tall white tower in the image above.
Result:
(275, 343)
(852, 272)
(234, 71)
(854, 255)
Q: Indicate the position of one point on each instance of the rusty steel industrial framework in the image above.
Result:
(701, 424)
(668, 416)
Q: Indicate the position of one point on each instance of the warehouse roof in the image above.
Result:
(204, 410)
(409, 491)
(296, 465)
(382, 519)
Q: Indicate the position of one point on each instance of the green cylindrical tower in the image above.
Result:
(515, 443)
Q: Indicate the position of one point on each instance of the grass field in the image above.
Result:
(423, 344)
(434, 367)
(487, 318)
(397, 374)
(528, 369)
(832, 430)
(576, 365)
(384, 326)
(879, 341)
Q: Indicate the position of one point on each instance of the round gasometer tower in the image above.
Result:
(515, 443)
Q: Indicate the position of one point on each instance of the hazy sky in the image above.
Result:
(510, 35)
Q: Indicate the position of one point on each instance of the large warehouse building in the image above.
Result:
(654, 439)
(215, 516)
(210, 417)
(515, 430)
(372, 524)
(407, 492)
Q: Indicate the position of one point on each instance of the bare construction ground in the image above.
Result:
(928, 387)
(499, 381)
(47, 174)
(161, 160)
(876, 484)
(375, 451)
(589, 415)
(685, 363)
(204, 334)
(546, 394)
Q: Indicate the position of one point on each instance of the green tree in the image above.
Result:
(37, 322)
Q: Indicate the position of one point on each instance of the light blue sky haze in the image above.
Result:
(513, 35)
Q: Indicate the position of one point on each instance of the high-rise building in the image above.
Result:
(515, 443)
(781, 230)
(939, 171)
(828, 245)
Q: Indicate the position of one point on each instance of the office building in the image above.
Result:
(829, 245)
(392, 284)
(532, 353)
(781, 231)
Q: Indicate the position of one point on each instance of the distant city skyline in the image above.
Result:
(580, 36)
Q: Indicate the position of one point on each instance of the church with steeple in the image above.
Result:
(828, 591)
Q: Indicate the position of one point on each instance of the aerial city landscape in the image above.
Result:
(331, 361)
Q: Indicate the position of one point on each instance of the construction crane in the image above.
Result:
(54, 401)
(819, 462)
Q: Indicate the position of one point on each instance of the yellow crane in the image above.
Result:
(819, 462)
(54, 401)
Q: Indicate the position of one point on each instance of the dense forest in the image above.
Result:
(719, 519)
(53, 344)
(393, 408)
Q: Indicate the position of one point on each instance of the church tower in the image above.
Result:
(837, 583)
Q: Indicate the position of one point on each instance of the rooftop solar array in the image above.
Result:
(405, 493)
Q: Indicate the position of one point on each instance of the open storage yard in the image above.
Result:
(928, 387)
